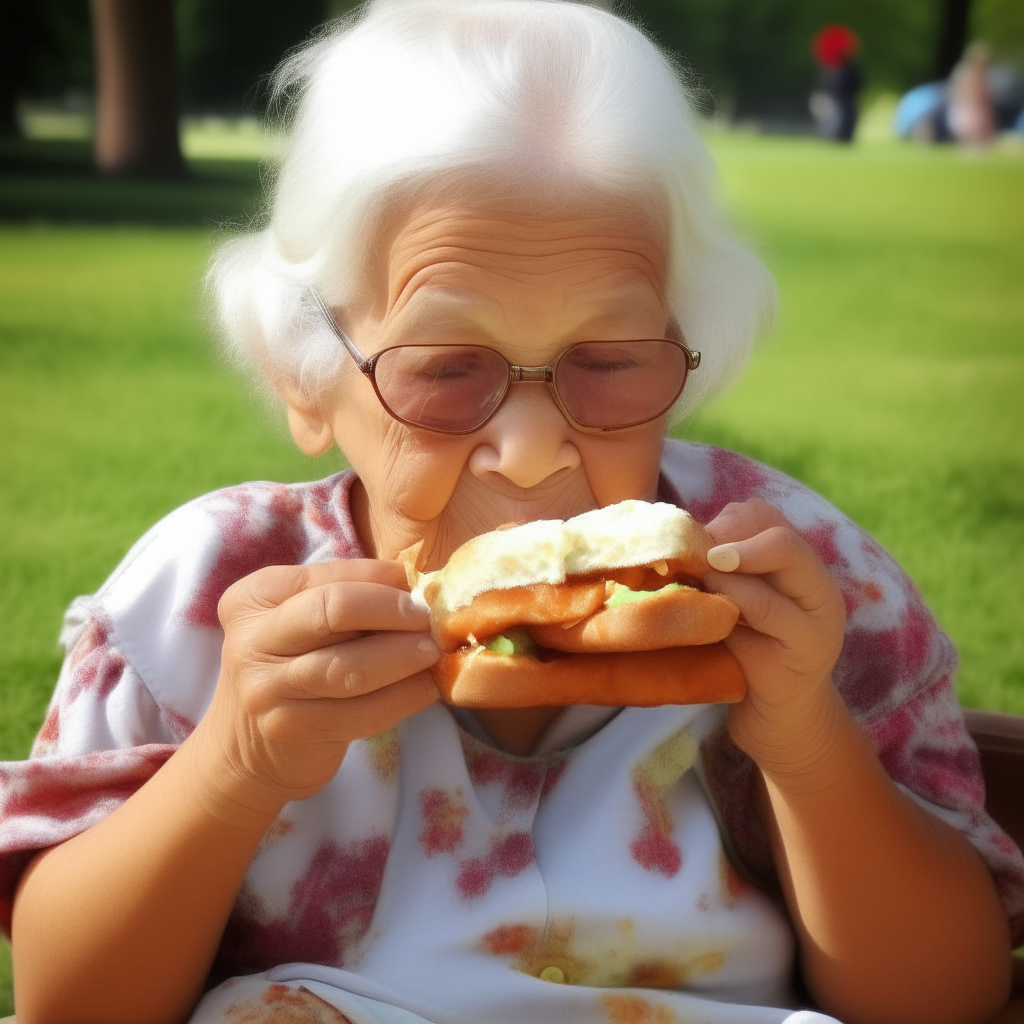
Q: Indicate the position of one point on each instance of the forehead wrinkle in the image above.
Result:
(601, 295)
(588, 247)
(585, 269)
(515, 246)
(443, 281)
(447, 305)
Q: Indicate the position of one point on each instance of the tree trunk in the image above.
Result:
(136, 88)
(953, 36)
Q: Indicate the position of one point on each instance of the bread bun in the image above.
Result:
(479, 678)
(605, 608)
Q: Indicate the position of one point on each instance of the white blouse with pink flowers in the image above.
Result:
(618, 876)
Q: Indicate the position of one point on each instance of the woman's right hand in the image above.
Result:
(314, 657)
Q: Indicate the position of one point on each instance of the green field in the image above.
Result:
(893, 384)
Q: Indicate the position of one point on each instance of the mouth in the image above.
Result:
(477, 507)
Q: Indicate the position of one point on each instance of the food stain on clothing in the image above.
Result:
(282, 1004)
(535, 950)
(669, 974)
(629, 1009)
(654, 848)
(384, 754)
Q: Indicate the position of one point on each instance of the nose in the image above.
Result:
(527, 440)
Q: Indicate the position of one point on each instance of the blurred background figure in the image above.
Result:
(921, 114)
(834, 102)
(971, 116)
(979, 99)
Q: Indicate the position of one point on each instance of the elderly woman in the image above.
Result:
(246, 785)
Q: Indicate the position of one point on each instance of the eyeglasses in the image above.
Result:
(456, 389)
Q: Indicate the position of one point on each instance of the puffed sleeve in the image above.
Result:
(143, 656)
(102, 738)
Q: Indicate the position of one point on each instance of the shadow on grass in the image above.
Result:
(55, 182)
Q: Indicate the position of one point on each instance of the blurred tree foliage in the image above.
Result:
(45, 50)
(1001, 23)
(754, 56)
(750, 57)
(227, 49)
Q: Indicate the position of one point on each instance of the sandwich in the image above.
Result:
(605, 608)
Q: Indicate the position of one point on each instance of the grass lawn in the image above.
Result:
(893, 384)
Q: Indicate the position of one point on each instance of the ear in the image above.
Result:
(310, 425)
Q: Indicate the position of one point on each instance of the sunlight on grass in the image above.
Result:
(207, 137)
(115, 410)
(6, 996)
(892, 385)
(221, 138)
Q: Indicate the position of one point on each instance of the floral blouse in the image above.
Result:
(619, 875)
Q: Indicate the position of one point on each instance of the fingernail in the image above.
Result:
(427, 646)
(724, 558)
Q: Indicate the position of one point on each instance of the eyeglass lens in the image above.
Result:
(443, 387)
(601, 384)
(610, 384)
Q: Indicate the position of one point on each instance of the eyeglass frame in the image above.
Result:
(516, 375)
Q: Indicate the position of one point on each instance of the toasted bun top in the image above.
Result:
(629, 533)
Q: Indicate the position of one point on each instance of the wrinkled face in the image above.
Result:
(527, 286)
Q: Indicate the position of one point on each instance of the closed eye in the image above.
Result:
(603, 362)
(446, 367)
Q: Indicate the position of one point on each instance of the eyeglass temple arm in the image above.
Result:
(360, 360)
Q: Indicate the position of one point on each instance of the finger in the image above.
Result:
(331, 719)
(742, 519)
(273, 585)
(764, 609)
(783, 558)
(325, 615)
(360, 666)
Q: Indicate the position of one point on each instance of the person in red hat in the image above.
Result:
(834, 102)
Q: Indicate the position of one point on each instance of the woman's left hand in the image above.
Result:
(789, 637)
(897, 917)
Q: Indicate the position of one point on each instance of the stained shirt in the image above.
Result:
(619, 875)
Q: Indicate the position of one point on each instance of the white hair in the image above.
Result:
(410, 92)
